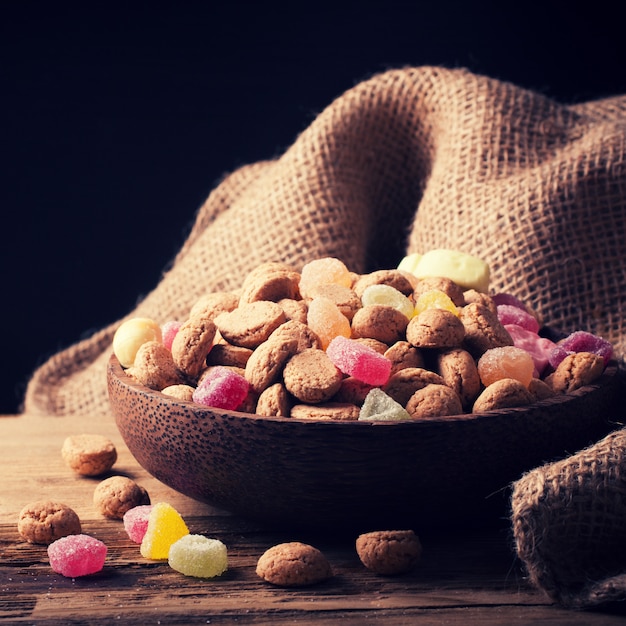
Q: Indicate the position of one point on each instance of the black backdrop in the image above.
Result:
(118, 120)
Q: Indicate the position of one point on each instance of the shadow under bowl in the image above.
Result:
(355, 476)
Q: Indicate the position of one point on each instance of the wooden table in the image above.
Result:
(466, 577)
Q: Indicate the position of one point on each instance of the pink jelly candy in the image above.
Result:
(222, 388)
(509, 314)
(136, 521)
(358, 360)
(508, 299)
(538, 347)
(168, 332)
(581, 341)
(77, 555)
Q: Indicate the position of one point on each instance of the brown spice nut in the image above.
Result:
(89, 455)
(311, 376)
(381, 322)
(343, 297)
(389, 552)
(211, 305)
(270, 281)
(154, 366)
(180, 392)
(539, 389)
(402, 355)
(266, 364)
(293, 564)
(294, 329)
(434, 401)
(223, 353)
(274, 401)
(352, 391)
(435, 328)
(192, 343)
(336, 411)
(459, 371)
(250, 324)
(45, 521)
(576, 370)
(118, 494)
(503, 394)
(483, 330)
(440, 283)
(404, 383)
(294, 309)
(394, 278)
(471, 296)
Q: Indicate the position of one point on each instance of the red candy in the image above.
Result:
(77, 555)
(359, 361)
(168, 331)
(581, 341)
(222, 388)
(538, 347)
(136, 521)
(509, 314)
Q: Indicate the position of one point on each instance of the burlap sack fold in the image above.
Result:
(408, 160)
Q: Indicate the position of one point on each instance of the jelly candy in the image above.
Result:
(510, 314)
(581, 341)
(131, 335)
(77, 555)
(222, 388)
(378, 406)
(389, 296)
(136, 521)
(327, 270)
(509, 300)
(409, 262)
(538, 347)
(168, 332)
(359, 361)
(435, 299)
(465, 270)
(165, 526)
(505, 362)
(198, 556)
(327, 321)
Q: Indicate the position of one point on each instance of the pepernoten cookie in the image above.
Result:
(293, 564)
(45, 521)
(118, 494)
(89, 454)
(389, 552)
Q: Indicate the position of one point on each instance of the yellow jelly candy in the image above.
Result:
(435, 299)
(131, 335)
(165, 527)
(465, 270)
(327, 321)
(389, 296)
(409, 262)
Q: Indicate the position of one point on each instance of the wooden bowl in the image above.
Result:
(354, 475)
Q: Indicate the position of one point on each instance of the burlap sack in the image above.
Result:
(409, 160)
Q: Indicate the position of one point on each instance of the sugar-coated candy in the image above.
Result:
(508, 299)
(389, 296)
(222, 388)
(326, 320)
(77, 555)
(359, 361)
(505, 362)
(168, 332)
(198, 556)
(131, 335)
(581, 341)
(165, 526)
(378, 406)
(510, 314)
(136, 522)
(539, 348)
(409, 262)
(465, 270)
(325, 271)
(435, 299)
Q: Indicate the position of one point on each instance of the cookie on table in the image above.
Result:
(389, 552)
(45, 521)
(293, 564)
(118, 494)
(89, 454)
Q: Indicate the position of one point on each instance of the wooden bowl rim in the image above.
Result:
(116, 370)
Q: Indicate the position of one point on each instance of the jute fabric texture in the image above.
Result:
(408, 160)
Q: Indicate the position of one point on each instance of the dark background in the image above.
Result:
(117, 121)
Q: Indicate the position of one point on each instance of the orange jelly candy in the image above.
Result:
(327, 321)
(506, 362)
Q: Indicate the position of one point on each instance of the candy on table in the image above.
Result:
(165, 526)
(506, 362)
(389, 296)
(168, 332)
(198, 556)
(464, 269)
(222, 388)
(326, 320)
(511, 314)
(77, 555)
(359, 360)
(539, 348)
(581, 341)
(136, 521)
(409, 262)
(378, 406)
(328, 270)
(435, 299)
(131, 335)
